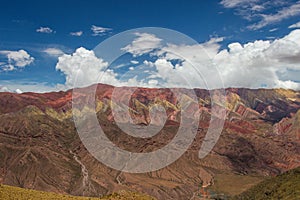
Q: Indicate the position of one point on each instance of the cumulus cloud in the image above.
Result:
(296, 25)
(252, 65)
(197, 53)
(78, 33)
(55, 52)
(4, 89)
(195, 68)
(83, 68)
(16, 59)
(144, 43)
(44, 30)
(257, 64)
(98, 30)
(262, 63)
(18, 91)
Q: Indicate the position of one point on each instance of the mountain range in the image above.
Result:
(40, 148)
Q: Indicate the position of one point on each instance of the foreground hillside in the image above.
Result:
(40, 148)
(15, 193)
(285, 186)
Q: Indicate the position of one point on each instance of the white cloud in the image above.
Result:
(83, 68)
(98, 30)
(78, 33)
(120, 65)
(195, 70)
(248, 9)
(19, 58)
(4, 89)
(55, 52)
(296, 25)
(135, 62)
(262, 63)
(258, 63)
(236, 3)
(144, 43)
(18, 91)
(18, 86)
(257, 8)
(215, 40)
(44, 30)
(16, 59)
(273, 30)
(196, 53)
(285, 13)
(270, 37)
(263, 12)
(153, 83)
(7, 67)
(252, 65)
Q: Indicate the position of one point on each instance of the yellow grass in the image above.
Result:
(15, 193)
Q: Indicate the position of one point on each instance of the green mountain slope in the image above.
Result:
(285, 186)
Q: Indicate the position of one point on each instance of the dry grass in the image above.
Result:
(233, 184)
(15, 193)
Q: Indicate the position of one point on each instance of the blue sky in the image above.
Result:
(47, 29)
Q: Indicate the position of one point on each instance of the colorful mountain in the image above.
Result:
(41, 150)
